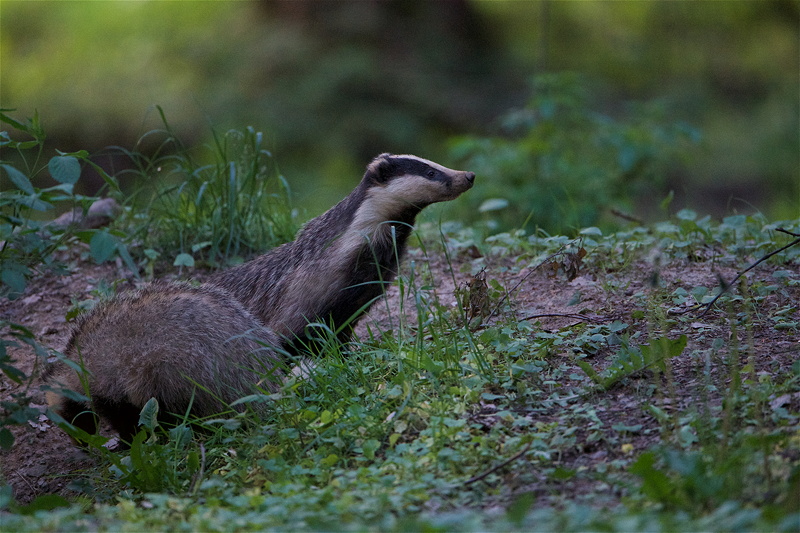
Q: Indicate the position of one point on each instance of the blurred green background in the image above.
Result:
(699, 98)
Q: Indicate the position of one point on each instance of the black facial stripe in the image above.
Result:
(403, 166)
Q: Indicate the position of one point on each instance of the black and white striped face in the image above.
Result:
(413, 181)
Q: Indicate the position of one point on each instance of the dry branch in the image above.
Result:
(501, 465)
(725, 286)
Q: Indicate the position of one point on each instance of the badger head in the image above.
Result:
(409, 181)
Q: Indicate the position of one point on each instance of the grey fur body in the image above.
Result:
(343, 260)
(159, 342)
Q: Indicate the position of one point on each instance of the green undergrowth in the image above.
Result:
(28, 238)
(470, 417)
(34, 188)
(559, 162)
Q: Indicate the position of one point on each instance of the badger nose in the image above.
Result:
(470, 177)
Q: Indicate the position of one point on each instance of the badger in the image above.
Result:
(343, 260)
(190, 347)
(199, 348)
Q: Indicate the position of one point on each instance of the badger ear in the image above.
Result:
(380, 169)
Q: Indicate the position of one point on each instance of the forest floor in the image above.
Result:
(44, 460)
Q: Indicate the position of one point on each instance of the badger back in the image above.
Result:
(182, 345)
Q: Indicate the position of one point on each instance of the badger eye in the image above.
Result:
(431, 173)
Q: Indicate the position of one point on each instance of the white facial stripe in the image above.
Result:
(378, 208)
(384, 203)
(409, 189)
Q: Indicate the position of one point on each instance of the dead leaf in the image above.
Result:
(474, 296)
(570, 263)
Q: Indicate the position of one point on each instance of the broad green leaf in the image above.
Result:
(369, 448)
(45, 502)
(184, 260)
(146, 473)
(735, 221)
(66, 188)
(14, 279)
(519, 508)
(655, 483)
(193, 461)
(151, 254)
(661, 349)
(591, 231)
(64, 169)
(34, 202)
(19, 179)
(561, 473)
(102, 246)
(200, 245)
(180, 435)
(330, 460)
(148, 418)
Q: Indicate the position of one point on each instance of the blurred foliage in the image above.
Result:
(728, 68)
(334, 83)
(561, 165)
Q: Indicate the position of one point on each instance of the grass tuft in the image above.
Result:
(218, 206)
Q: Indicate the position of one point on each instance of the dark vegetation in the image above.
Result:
(337, 83)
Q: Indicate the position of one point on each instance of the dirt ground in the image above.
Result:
(43, 460)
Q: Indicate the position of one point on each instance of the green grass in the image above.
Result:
(214, 205)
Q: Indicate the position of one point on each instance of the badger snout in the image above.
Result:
(465, 181)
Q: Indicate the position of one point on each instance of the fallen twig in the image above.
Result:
(501, 465)
(526, 276)
(626, 216)
(725, 286)
(582, 318)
